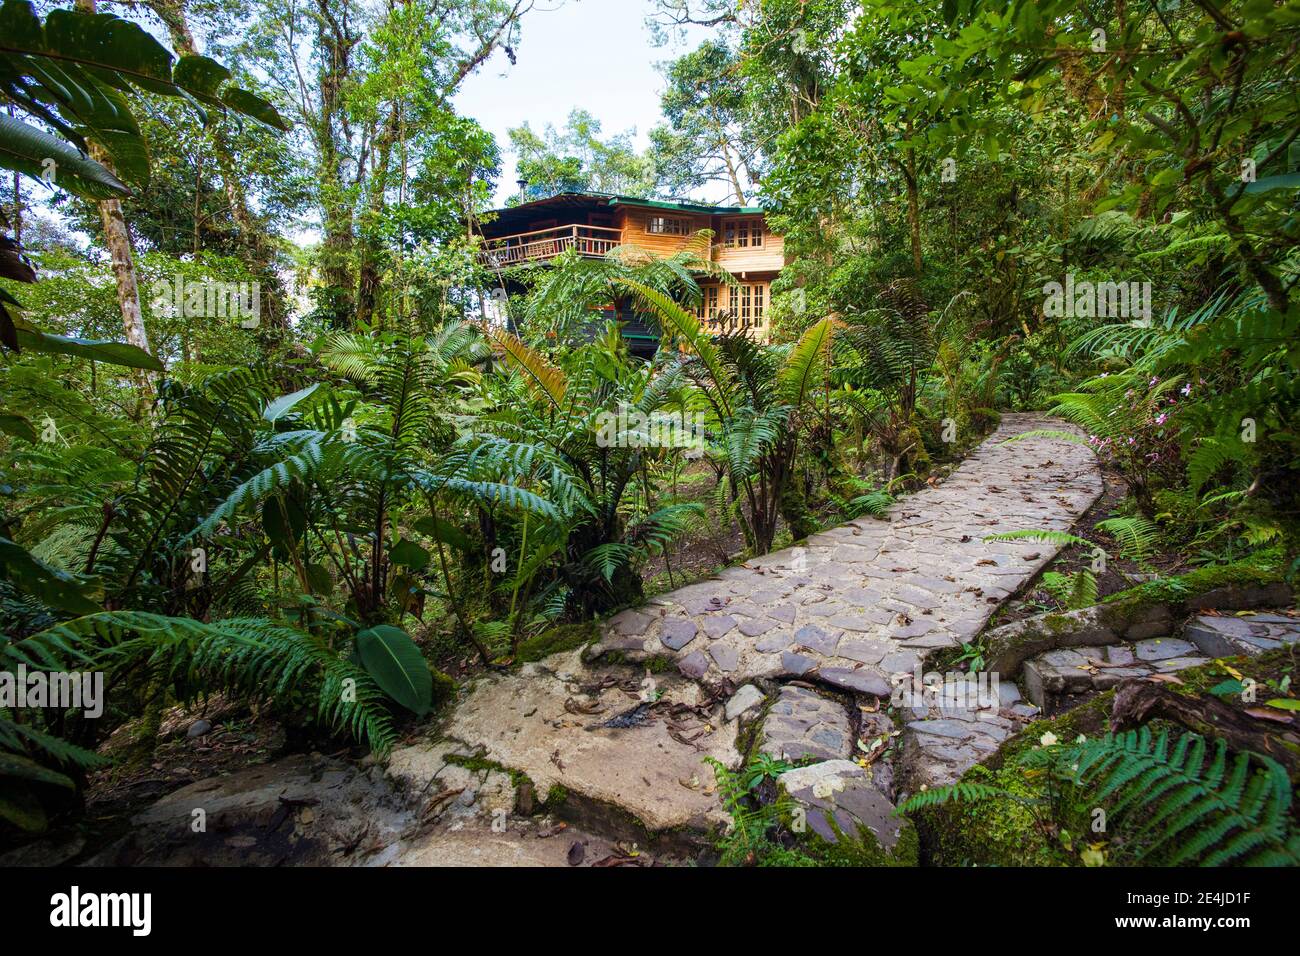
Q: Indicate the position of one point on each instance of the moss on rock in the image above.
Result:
(1001, 831)
(553, 640)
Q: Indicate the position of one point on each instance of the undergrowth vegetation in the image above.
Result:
(412, 461)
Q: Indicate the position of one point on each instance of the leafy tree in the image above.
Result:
(576, 159)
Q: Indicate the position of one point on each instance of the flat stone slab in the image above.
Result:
(803, 724)
(541, 721)
(841, 801)
(1248, 634)
(1051, 676)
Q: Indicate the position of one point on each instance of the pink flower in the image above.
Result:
(1160, 419)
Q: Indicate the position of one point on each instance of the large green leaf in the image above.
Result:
(444, 531)
(106, 42)
(249, 104)
(408, 554)
(1269, 183)
(113, 353)
(56, 588)
(390, 656)
(75, 73)
(39, 154)
(17, 426)
(279, 407)
(201, 77)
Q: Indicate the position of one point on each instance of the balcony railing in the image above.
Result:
(593, 242)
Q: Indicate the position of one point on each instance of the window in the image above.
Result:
(742, 233)
(748, 307)
(668, 226)
(709, 305)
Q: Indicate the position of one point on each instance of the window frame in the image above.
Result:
(747, 233)
(682, 223)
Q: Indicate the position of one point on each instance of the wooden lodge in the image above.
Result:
(594, 224)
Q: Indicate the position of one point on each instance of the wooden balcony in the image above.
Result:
(593, 242)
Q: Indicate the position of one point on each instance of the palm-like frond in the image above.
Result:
(544, 378)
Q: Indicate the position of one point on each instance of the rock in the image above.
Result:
(1231, 636)
(631, 623)
(717, 625)
(298, 811)
(796, 665)
(817, 640)
(756, 626)
(725, 656)
(1120, 654)
(843, 806)
(694, 665)
(864, 652)
(44, 852)
(198, 728)
(623, 778)
(743, 701)
(774, 642)
(859, 681)
(1159, 650)
(677, 634)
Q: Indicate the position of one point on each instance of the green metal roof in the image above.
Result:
(613, 199)
(685, 206)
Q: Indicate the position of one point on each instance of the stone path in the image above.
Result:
(871, 598)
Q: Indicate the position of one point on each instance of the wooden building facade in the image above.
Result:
(594, 224)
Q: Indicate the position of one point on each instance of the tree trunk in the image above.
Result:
(913, 204)
(118, 240)
(370, 254)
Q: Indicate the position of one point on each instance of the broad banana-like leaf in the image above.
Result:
(101, 350)
(41, 155)
(278, 408)
(250, 104)
(390, 656)
(75, 71)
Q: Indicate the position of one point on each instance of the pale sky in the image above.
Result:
(586, 54)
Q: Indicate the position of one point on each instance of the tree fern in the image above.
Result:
(253, 656)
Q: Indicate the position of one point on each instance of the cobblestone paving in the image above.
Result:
(803, 724)
(871, 598)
